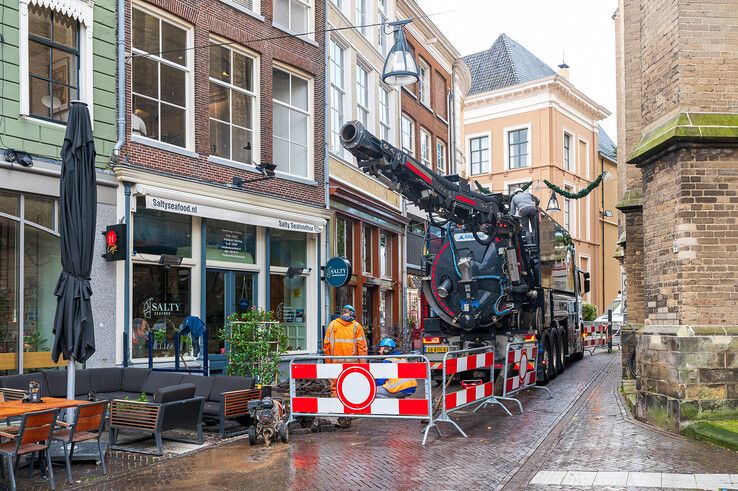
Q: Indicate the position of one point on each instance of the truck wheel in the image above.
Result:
(560, 363)
(549, 371)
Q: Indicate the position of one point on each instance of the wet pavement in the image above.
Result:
(584, 428)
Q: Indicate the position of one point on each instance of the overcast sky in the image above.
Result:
(581, 29)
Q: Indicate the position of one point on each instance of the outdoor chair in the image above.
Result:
(175, 407)
(34, 436)
(88, 424)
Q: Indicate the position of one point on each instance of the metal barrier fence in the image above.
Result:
(596, 335)
(524, 356)
(356, 388)
(482, 358)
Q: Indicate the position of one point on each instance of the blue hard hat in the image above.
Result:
(387, 343)
(349, 307)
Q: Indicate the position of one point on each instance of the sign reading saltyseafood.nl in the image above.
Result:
(338, 272)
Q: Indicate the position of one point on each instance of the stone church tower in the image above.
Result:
(677, 89)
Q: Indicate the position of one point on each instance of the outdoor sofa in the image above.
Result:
(225, 397)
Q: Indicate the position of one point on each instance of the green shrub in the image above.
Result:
(589, 311)
(256, 342)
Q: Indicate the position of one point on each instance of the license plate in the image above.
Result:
(436, 349)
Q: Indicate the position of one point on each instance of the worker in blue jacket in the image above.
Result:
(393, 387)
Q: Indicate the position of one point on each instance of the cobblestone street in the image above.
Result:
(584, 428)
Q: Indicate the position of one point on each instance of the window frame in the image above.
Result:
(335, 146)
(189, 71)
(570, 208)
(385, 111)
(410, 151)
(255, 93)
(382, 18)
(310, 120)
(255, 9)
(424, 86)
(361, 17)
(570, 153)
(362, 107)
(482, 169)
(529, 157)
(441, 157)
(310, 32)
(80, 11)
(426, 137)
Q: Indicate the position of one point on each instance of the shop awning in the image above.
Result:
(232, 211)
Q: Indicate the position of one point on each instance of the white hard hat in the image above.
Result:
(518, 190)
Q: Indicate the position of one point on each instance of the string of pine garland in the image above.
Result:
(563, 192)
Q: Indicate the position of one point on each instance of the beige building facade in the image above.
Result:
(523, 122)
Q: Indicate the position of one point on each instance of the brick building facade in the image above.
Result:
(678, 107)
(215, 89)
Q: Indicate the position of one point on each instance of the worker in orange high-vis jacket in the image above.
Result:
(344, 337)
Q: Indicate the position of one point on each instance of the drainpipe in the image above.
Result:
(127, 274)
(326, 304)
(452, 120)
(121, 10)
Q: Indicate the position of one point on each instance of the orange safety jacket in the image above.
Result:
(344, 338)
(395, 385)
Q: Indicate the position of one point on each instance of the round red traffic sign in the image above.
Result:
(523, 367)
(356, 388)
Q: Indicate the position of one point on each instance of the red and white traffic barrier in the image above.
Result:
(521, 366)
(462, 361)
(594, 336)
(356, 388)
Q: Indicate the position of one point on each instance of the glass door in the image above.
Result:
(227, 292)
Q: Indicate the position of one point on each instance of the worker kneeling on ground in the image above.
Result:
(393, 387)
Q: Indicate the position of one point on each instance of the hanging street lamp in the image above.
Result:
(400, 67)
(553, 203)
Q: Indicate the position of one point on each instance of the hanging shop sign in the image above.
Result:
(115, 242)
(338, 271)
(201, 210)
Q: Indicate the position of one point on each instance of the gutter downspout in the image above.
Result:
(121, 10)
(452, 119)
(127, 274)
(327, 185)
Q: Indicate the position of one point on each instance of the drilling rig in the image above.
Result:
(486, 280)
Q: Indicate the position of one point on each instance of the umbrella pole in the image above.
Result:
(71, 373)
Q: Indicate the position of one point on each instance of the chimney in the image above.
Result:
(564, 70)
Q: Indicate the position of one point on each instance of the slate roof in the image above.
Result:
(605, 145)
(505, 64)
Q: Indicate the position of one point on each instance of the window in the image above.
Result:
(230, 241)
(424, 83)
(291, 123)
(382, 20)
(161, 79)
(517, 143)
(511, 187)
(232, 105)
(441, 157)
(160, 232)
(338, 3)
(569, 212)
(53, 63)
(287, 248)
(361, 17)
(567, 151)
(479, 151)
(287, 301)
(441, 93)
(294, 15)
(362, 95)
(385, 254)
(245, 5)
(408, 135)
(337, 96)
(425, 149)
(384, 114)
(344, 238)
(366, 250)
(54, 57)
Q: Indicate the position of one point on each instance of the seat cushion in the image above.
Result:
(172, 393)
(20, 382)
(158, 380)
(106, 379)
(211, 408)
(82, 383)
(134, 379)
(56, 380)
(202, 384)
(227, 383)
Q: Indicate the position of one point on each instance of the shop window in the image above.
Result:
(367, 250)
(344, 238)
(161, 302)
(232, 105)
(344, 296)
(37, 251)
(158, 232)
(287, 248)
(385, 254)
(230, 241)
(287, 301)
(161, 74)
(385, 314)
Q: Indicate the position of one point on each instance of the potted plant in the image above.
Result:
(256, 342)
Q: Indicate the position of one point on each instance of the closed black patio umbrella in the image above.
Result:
(74, 335)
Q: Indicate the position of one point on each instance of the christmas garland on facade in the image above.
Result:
(563, 192)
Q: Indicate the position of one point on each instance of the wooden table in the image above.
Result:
(12, 409)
